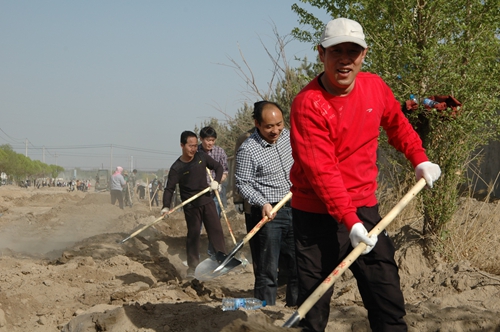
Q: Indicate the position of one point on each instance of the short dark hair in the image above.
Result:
(258, 107)
(208, 132)
(186, 134)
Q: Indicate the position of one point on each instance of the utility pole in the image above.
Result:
(43, 154)
(25, 147)
(131, 163)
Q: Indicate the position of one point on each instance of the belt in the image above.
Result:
(287, 204)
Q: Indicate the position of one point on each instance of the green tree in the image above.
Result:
(37, 169)
(431, 48)
(55, 170)
(20, 167)
(6, 158)
(3, 159)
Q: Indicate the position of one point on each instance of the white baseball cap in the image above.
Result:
(343, 30)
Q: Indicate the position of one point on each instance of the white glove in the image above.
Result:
(214, 185)
(164, 211)
(360, 234)
(429, 171)
(239, 208)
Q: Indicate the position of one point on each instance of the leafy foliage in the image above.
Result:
(19, 167)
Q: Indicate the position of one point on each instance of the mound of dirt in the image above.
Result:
(63, 268)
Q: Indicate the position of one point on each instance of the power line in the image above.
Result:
(12, 138)
(98, 146)
(65, 152)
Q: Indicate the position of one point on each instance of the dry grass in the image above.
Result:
(473, 234)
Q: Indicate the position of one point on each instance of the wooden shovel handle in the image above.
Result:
(169, 212)
(222, 208)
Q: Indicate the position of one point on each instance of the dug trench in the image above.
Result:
(63, 268)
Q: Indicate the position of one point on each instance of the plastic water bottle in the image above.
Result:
(229, 303)
(413, 98)
(429, 103)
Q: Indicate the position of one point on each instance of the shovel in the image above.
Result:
(205, 270)
(244, 261)
(166, 214)
(355, 253)
(152, 197)
(252, 233)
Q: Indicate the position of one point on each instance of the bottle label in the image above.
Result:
(239, 303)
(429, 102)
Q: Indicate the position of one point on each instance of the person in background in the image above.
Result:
(133, 178)
(160, 190)
(189, 171)
(132, 184)
(263, 163)
(153, 191)
(335, 127)
(116, 187)
(208, 136)
(141, 190)
(127, 197)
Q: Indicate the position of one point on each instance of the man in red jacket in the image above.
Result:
(335, 123)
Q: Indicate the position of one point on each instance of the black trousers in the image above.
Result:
(272, 244)
(142, 192)
(154, 197)
(117, 195)
(194, 217)
(321, 244)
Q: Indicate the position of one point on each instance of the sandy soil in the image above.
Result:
(62, 268)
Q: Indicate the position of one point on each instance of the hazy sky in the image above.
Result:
(94, 83)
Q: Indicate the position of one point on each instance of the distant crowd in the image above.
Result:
(82, 185)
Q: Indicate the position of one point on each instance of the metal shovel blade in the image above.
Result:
(205, 270)
(227, 259)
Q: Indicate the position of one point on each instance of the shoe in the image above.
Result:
(190, 273)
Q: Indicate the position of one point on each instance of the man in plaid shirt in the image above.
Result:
(208, 136)
(263, 164)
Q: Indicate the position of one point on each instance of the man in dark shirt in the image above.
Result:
(141, 190)
(189, 171)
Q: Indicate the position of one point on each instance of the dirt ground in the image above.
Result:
(62, 268)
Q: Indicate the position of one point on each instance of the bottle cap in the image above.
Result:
(264, 303)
